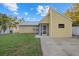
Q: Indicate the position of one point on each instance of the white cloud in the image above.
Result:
(26, 13)
(19, 17)
(16, 13)
(31, 19)
(28, 18)
(42, 10)
(11, 6)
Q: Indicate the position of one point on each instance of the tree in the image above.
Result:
(7, 22)
(3, 22)
(73, 13)
(14, 21)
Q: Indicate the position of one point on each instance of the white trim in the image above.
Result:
(39, 1)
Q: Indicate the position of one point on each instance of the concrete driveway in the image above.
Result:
(60, 46)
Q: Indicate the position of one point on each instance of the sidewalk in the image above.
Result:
(50, 48)
(60, 46)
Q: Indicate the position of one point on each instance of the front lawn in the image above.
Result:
(19, 45)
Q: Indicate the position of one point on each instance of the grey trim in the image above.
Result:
(30, 23)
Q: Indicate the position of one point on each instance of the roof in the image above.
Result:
(44, 17)
(30, 23)
(52, 9)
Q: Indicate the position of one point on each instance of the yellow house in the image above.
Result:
(53, 25)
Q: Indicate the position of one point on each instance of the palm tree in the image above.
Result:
(14, 21)
(8, 22)
(3, 22)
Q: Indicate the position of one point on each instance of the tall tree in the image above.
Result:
(73, 13)
(7, 22)
(3, 21)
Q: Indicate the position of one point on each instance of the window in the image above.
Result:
(61, 26)
(44, 27)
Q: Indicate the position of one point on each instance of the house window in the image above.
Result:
(60, 25)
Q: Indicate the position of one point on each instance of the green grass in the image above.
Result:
(19, 45)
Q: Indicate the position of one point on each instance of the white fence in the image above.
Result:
(75, 30)
(8, 31)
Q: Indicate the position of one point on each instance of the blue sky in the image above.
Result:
(31, 11)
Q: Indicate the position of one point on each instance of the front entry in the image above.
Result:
(44, 29)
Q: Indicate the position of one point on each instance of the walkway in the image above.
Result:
(60, 47)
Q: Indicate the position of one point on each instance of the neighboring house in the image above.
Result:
(28, 27)
(75, 30)
(53, 24)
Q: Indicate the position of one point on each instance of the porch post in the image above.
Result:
(40, 27)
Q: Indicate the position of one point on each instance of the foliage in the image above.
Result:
(73, 13)
(8, 22)
(3, 21)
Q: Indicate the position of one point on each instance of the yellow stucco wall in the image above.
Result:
(60, 32)
(26, 29)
